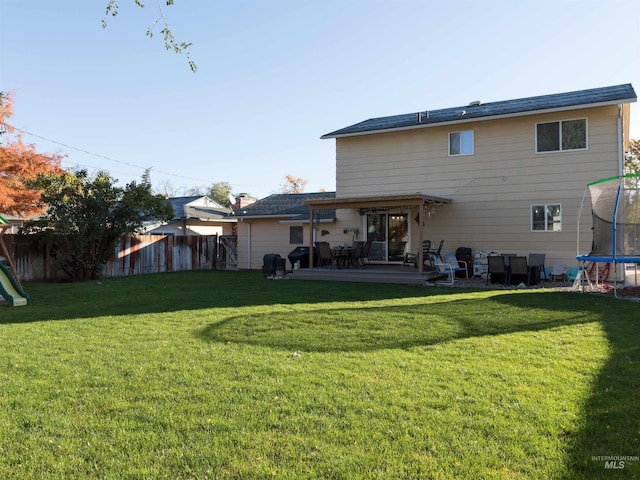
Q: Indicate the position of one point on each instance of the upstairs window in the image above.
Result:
(546, 218)
(461, 143)
(561, 136)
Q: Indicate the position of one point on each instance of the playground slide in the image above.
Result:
(10, 289)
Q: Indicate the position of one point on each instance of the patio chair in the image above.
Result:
(362, 258)
(411, 259)
(446, 269)
(536, 265)
(397, 251)
(507, 258)
(558, 271)
(438, 251)
(496, 269)
(519, 271)
(325, 257)
(429, 264)
(458, 265)
(547, 272)
(357, 252)
(507, 261)
(572, 274)
(342, 256)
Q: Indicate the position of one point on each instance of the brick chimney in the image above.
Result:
(243, 201)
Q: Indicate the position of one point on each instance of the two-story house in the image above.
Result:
(506, 176)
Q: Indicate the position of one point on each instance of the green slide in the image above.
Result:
(10, 289)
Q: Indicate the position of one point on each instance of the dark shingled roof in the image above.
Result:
(288, 205)
(521, 106)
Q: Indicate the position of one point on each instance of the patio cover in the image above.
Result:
(375, 203)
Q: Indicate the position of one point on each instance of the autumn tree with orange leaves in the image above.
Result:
(632, 159)
(20, 163)
(294, 185)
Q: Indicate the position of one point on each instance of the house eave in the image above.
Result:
(263, 217)
(208, 220)
(306, 220)
(377, 201)
(285, 218)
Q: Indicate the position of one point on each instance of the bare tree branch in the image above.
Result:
(170, 41)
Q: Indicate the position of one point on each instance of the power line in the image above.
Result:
(73, 164)
(199, 180)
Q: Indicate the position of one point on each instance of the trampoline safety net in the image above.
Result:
(615, 204)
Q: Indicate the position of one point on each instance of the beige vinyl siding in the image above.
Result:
(272, 236)
(266, 236)
(492, 190)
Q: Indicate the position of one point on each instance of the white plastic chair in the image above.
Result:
(445, 269)
(558, 271)
(458, 265)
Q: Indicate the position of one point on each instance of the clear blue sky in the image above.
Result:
(273, 76)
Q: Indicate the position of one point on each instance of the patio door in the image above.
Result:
(389, 233)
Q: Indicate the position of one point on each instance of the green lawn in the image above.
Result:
(230, 375)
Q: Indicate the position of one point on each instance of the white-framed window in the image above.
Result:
(461, 143)
(546, 218)
(561, 136)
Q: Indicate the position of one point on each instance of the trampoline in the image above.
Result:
(615, 209)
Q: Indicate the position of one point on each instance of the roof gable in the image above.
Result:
(485, 111)
(197, 207)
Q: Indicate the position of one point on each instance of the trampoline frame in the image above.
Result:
(599, 258)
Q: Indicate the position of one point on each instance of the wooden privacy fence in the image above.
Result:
(140, 254)
(134, 255)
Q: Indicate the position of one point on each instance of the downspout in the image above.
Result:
(249, 247)
(311, 231)
(421, 206)
(620, 142)
(620, 183)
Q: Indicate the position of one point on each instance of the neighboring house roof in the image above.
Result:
(197, 207)
(289, 206)
(487, 111)
(15, 221)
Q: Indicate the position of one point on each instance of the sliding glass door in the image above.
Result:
(389, 233)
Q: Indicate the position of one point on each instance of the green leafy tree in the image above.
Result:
(170, 43)
(220, 192)
(146, 175)
(86, 216)
(632, 159)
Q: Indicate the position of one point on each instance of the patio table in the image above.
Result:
(342, 256)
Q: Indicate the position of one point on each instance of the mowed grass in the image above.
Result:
(229, 375)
